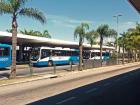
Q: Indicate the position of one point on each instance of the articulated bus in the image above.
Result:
(45, 56)
(5, 55)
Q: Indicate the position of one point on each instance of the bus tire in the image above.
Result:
(50, 63)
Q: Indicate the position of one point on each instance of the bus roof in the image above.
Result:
(59, 48)
(96, 51)
(4, 45)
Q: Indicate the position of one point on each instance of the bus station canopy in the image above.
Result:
(34, 41)
(135, 4)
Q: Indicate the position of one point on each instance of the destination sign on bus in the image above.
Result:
(4, 59)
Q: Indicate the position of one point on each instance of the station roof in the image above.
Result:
(28, 40)
(135, 4)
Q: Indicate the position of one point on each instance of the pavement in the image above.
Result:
(83, 73)
(41, 88)
(121, 89)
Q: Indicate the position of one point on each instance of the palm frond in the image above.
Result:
(34, 13)
(103, 29)
(46, 34)
(112, 33)
(85, 26)
(81, 31)
(91, 37)
(77, 32)
(5, 8)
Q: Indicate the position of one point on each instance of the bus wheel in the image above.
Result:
(50, 63)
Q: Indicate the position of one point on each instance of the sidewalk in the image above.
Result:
(95, 71)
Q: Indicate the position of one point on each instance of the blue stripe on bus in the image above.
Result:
(43, 63)
(61, 62)
(73, 59)
(5, 64)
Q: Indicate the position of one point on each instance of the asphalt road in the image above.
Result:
(123, 89)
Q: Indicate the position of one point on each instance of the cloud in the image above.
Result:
(126, 25)
(66, 21)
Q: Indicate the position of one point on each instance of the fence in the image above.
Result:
(88, 64)
(55, 69)
(24, 70)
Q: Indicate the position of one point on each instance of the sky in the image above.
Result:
(63, 16)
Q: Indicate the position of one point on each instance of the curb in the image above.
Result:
(36, 79)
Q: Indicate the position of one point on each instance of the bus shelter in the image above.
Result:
(25, 42)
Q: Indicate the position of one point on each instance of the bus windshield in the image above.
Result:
(94, 54)
(4, 51)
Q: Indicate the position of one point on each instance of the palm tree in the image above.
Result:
(45, 33)
(26, 32)
(122, 42)
(104, 31)
(16, 8)
(80, 32)
(136, 30)
(9, 30)
(91, 37)
(129, 47)
(134, 35)
(138, 46)
(132, 42)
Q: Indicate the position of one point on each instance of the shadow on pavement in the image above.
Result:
(120, 91)
(2, 75)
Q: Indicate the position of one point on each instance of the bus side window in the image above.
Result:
(45, 53)
(4, 51)
(69, 53)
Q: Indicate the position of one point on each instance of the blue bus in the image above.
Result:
(5, 55)
(46, 56)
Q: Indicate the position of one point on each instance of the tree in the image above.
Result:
(104, 31)
(130, 41)
(45, 33)
(9, 30)
(129, 46)
(16, 8)
(91, 37)
(80, 32)
(122, 42)
(134, 35)
(26, 32)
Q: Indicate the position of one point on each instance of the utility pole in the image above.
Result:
(117, 20)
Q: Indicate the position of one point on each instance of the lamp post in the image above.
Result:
(117, 18)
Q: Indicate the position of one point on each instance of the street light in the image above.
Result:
(117, 18)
